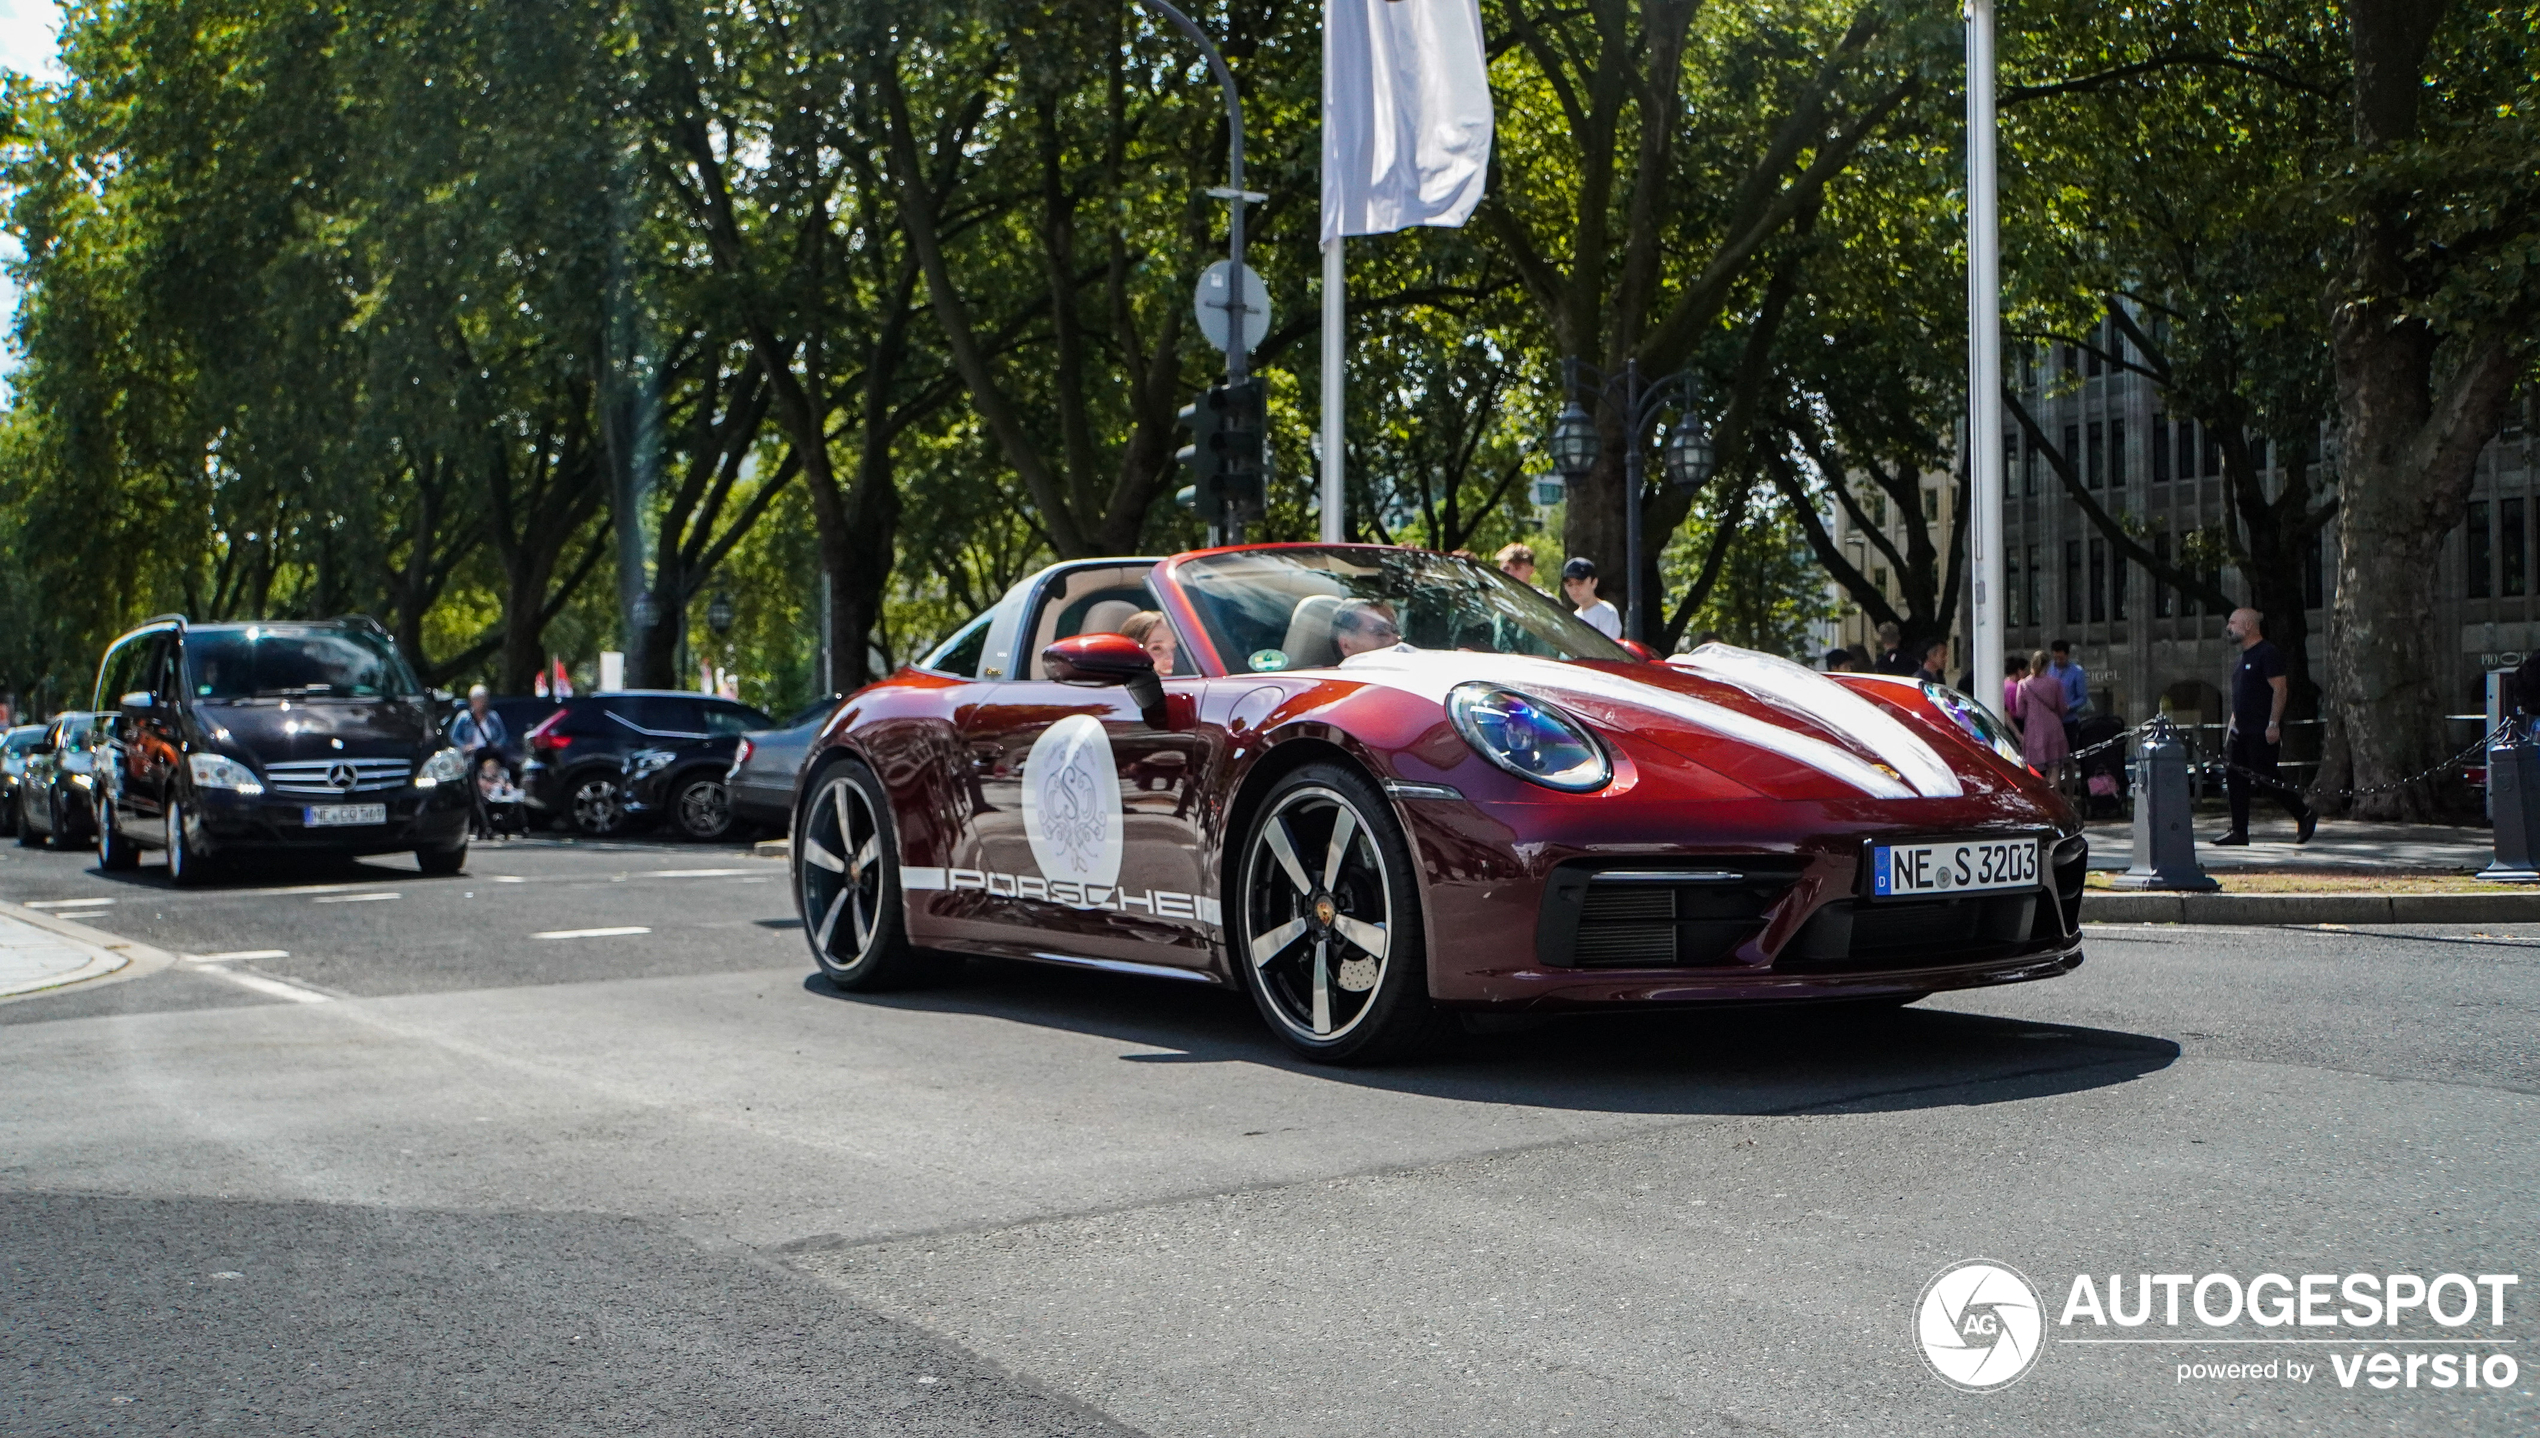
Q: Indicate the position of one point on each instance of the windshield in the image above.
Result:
(289, 663)
(1304, 608)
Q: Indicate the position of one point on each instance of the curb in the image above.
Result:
(110, 958)
(2103, 908)
(772, 849)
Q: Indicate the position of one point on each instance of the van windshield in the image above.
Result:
(288, 663)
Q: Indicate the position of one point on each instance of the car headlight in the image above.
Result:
(646, 761)
(1972, 717)
(447, 767)
(219, 771)
(1529, 738)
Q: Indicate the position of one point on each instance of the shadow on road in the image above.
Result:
(1761, 1060)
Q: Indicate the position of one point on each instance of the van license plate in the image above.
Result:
(1965, 866)
(320, 816)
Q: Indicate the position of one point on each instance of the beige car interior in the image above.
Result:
(1104, 616)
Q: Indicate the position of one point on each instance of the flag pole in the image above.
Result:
(1335, 389)
(1984, 362)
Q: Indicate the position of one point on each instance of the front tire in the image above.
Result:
(1327, 931)
(27, 837)
(846, 883)
(115, 852)
(703, 808)
(188, 861)
(441, 863)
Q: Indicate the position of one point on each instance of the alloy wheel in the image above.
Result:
(1319, 912)
(842, 874)
(705, 809)
(599, 807)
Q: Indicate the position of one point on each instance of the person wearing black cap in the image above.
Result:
(1578, 583)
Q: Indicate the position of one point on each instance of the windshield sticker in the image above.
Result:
(1071, 803)
(1268, 661)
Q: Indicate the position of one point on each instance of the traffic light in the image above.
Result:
(1224, 460)
(1243, 422)
(1199, 458)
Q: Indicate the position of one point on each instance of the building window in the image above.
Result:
(2028, 469)
(2072, 446)
(2213, 454)
(2160, 449)
(2072, 359)
(2010, 459)
(2160, 586)
(2036, 613)
(2094, 467)
(2072, 581)
(2116, 454)
(2509, 547)
(1931, 506)
(2475, 551)
(2098, 580)
(1878, 511)
(1878, 577)
(2258, 452)
(2116, 588)
(2314, 560)
(2187, 449)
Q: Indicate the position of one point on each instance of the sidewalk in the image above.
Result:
(38, 954)
(2340, 846)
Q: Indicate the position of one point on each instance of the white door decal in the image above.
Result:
(1071, 803)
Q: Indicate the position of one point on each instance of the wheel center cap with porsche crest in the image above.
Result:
(344, 777)
(1325, 911)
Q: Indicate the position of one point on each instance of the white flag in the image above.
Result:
(1406, 114)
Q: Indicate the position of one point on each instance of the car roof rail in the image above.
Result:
(179, 620)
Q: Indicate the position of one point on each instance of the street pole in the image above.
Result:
(1984, 361)
(1632, 626)
(1335, 526)
(1224, 527)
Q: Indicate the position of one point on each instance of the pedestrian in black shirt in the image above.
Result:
(2256, 737)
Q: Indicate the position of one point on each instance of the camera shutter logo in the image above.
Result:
(1980, 1326)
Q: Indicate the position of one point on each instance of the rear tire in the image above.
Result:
(702, 808)
(847, 883)
(599, 807)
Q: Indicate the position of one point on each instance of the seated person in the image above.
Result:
(1360, 625)
(1149, 629)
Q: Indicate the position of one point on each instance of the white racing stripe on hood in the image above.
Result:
(1812, 695)
(1431, 673)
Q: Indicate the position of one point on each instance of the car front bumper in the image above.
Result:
(434, 818)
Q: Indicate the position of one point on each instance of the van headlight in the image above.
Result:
(447, 767)
(219, 771)
(1529, 738)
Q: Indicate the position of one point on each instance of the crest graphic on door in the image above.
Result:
(1071, 803)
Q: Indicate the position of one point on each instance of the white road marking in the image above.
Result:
(694, 873)
(272, 988)
(509, 879)
(353, 899)
(237, 954)
(592, 933)
(75, 903)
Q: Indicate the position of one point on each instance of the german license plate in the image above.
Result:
(1952, 866)
(321, 816)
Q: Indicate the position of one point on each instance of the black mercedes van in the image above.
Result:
(230, 738)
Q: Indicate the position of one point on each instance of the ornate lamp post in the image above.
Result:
(1687, 459)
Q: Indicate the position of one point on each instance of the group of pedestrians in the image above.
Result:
(1578, 585)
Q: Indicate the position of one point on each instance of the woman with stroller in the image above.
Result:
(2041, 718)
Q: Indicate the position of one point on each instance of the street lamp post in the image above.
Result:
(1687, 459)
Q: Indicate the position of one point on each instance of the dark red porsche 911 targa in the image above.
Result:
(1374, 786)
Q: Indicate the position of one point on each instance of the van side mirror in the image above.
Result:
(139, 700)
(1110, 659)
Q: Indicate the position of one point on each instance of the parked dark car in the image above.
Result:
(312, 737)
(768, 761)
(575, 774)
(15, 745)
(56, 795)
(683, 786)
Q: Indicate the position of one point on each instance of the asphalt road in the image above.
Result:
(414, 1169)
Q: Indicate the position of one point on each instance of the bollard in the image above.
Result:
(2513, 796)
(2164, 818)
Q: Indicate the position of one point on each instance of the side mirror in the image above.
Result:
(1110, 659)
(1640, 651)
(140, 701)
